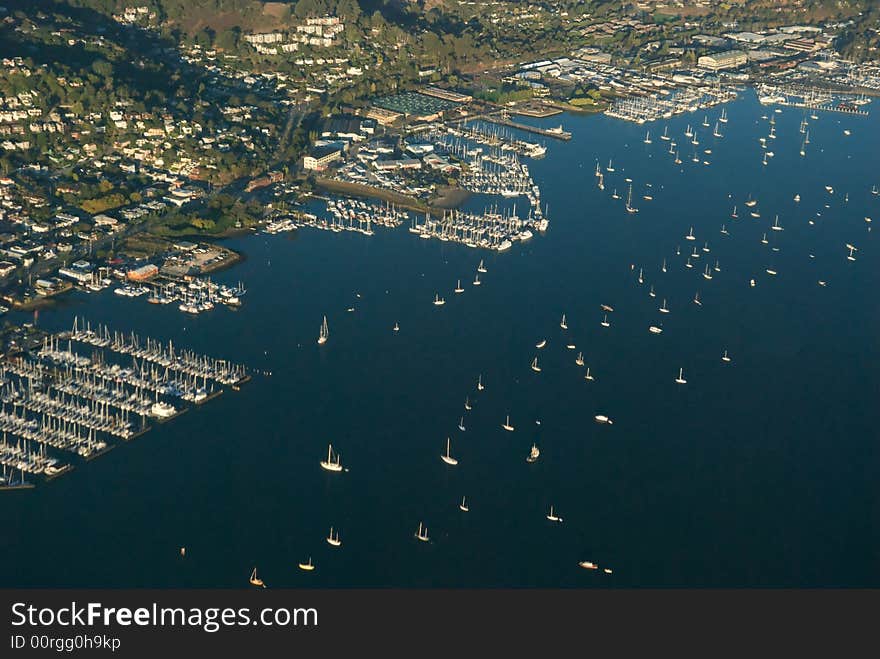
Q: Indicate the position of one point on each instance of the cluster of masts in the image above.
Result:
(489, 230)
(640, 109)
(152, 350)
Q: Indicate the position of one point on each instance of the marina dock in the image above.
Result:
(555, 133)
(58, 406)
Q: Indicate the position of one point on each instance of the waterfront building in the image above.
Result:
(728, 59)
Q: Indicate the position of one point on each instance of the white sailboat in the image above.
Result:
(330, 464)
(647, 139)
(588, 377)
(467, 404)
(697, 299)
(605, 322)
(707, 274)
(396, 327)
(477, 281)
(438, 301)
(324, 334)
(776, 226)
(333, 540)
(725, 357)
(534, 454)
(481, 267)
(422, 533)
(665, 135)
(680, 379)
(629, 207)
(651, 292)
(663, 307)
(663, 267)
(308, 566)
(540, 344)
(733, 214)
(562, 323)
(463, 507)
(723, 118)
(552, 516)
(458, 288)
(609, 168)
(480, 385)
(461, 424)
(580, 359)
(506, 425)
(447, 457)
(255, 580)
(535, 367)
(690, 235)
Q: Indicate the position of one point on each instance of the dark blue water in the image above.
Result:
(760, 472)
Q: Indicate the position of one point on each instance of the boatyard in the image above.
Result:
(74, 395)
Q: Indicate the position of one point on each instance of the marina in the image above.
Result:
(59, 404)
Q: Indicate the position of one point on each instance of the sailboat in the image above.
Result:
(717, 131)
(553, 517)
(458, 288)
(480, 385)
(461, 424)
(723, 118)
(324, 333)
(255, 580)
(609, 168)
(614, 194)
(663, 267)
(663, 307)
(647, 137)
(706, 121)
(333, 540)
(724, 230)
(665, 135)
(562, 323)
(588, 377)
(707, 274)
(481, 267)
(776, 226)
(654, 329)
(605, 322)
(629, 207)
(580, 359)
(396, 327)
(506, 425)
(534, 453)
(690, 235)
(680, 379)
(535, 367)
(447, 457)
(598, 171)
(725, 357)
(540, 344)
(764, 239)
(467, 404)
(697, 299)
(422, 533)
(438, 301)
(308, 567)
(733, 214)
(641, 278)
(329, 464)
(463, 505)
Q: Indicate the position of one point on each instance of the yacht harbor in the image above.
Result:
(76, 394)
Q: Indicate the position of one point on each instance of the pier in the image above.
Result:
(504, 120)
